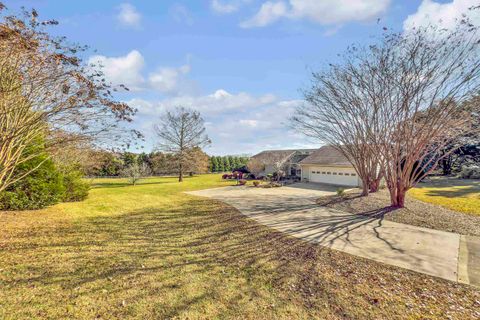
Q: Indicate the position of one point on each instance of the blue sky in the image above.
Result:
(241, 63)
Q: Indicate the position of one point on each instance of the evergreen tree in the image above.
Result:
(227, 164)
(221, 164)
(215, 166)
(210, 164)
(234, 163)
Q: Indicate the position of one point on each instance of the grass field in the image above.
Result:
(152, 252)
(462, 195)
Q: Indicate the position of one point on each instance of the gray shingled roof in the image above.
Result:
(327, 155)
(272, 156)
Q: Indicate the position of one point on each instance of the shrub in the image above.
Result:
(225, 176)
(472, 172)
(41, 188)
(76, 189)
(256, 183)
(340, 192)
(242, 182)
(235, 175)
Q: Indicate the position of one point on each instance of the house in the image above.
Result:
(328, 165)
(324, 165)
(287, 160)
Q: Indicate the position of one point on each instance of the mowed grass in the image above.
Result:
(462, 195)
(153, 252)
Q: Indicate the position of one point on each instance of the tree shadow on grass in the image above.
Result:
(191, 255)
(107, 185)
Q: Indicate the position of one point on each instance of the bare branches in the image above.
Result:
(181, 131)
(46, 90)
(394, 108)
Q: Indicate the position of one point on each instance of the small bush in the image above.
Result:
(340, 192)
(76, 189)
(472, 172)
(242, 182)
(225, 176)
(256, 183)
(42, 188)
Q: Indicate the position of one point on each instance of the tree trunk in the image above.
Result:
(180, 174)
(365, 188)
(446, 164)
(374, 185)
(397, 196)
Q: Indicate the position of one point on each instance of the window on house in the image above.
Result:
(334, 173)
(329, 173)
(340, 174)
(354, 174)
(347, 174)
(323, 172)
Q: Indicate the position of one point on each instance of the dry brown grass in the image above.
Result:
(152, 252)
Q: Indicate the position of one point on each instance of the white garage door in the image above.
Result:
(333, 175)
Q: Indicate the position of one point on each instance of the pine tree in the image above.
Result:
(210, 164)
(235, 164)
(215, 167)
(221, 164)
(227, 164)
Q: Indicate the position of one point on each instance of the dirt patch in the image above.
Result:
(415, 213)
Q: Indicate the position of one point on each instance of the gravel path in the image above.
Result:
(415, 213)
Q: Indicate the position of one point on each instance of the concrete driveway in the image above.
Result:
(293, 210)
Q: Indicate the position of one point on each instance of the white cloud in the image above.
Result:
(128, 70)
(125, 70)
(128, 15)
(326, 12)
(181, 14)
(217, 103)
(166, 80)
(445, 14)
(227, 6)
(236, 122)
(269, 12)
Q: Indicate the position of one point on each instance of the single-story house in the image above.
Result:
(324, 165)
(288, 160)
(328, 165)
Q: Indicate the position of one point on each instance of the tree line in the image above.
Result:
(227, 163)
(102, 163)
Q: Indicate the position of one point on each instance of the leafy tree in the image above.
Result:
(42, 187)
(46, 91)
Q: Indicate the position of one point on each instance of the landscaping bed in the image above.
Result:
(416, 212)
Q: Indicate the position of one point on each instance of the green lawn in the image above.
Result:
(152, 252)
(462, 195)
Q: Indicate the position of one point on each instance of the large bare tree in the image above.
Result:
(47, 93)
(400, 101)
(338, 111)
(181, 131)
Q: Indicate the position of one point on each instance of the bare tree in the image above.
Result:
(255, 166)
(135, 172)
(395, 107)
(181, 131)
(338, 112)
(46, 91)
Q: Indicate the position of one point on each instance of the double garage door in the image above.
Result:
(333, 175)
